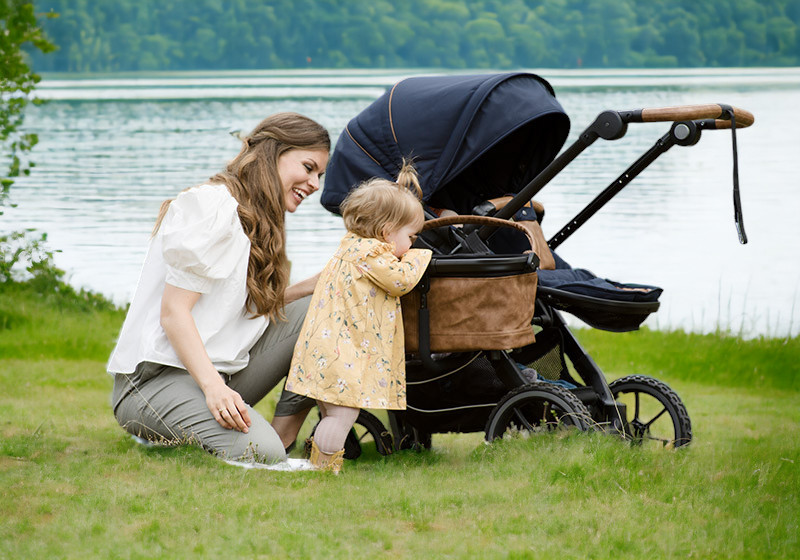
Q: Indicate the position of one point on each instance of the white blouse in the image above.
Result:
(200, 247)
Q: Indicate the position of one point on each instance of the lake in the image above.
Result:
(113, 147)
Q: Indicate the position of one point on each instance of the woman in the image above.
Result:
(213, 322)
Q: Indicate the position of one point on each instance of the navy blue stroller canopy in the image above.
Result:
(471, 138)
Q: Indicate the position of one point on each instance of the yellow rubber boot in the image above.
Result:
(326, 461)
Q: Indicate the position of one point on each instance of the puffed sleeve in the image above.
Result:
(396, 276)
(202, 238)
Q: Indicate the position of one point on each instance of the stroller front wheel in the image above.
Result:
(537, 407)
(655, 412)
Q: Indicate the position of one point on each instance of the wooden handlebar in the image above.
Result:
(692, 112)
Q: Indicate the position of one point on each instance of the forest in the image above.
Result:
(158, 35)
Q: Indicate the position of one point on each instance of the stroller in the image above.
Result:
(488, 348)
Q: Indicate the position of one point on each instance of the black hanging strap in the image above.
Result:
(737, 201)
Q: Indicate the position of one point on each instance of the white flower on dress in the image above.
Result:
(341, 384)
(390, 315)
(326, 333)
(322, 362)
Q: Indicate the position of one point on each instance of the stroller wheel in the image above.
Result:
(655, 412)
(368, 431)
(537, 407)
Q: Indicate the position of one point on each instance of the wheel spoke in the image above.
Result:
(638, 428)
(523, 419)
(656, 417)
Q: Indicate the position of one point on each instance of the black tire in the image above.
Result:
(537, 407)
(647, 400)
(367, 432)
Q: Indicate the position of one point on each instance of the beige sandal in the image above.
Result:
(326, 461)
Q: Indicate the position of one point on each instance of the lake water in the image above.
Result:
(112, 148)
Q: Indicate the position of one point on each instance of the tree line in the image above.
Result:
(154, 35)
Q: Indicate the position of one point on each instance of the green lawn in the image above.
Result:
(74, 485)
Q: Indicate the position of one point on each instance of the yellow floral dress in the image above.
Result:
(351, 351)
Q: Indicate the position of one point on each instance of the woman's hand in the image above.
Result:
(225, 404)
(228, 408)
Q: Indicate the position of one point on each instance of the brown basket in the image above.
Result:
(473, 302)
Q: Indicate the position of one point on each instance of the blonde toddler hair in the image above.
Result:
(378, 205)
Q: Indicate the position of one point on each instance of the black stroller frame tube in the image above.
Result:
(546, 175)
(584, 365)
(662, 145)
(608, 125)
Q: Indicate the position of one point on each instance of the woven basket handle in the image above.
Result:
(480, 221)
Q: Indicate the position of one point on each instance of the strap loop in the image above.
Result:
(737, 201)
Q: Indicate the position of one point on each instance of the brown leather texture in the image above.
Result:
(546, 259)
(501, 202)
(474, 313)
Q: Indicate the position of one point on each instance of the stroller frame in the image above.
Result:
(513, 400)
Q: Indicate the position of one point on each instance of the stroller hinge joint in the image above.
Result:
(609, 125)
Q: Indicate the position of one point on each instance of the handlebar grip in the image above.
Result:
(692, 112)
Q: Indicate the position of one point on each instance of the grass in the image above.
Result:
(75, 486)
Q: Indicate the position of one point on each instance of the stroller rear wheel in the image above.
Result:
(537, 407)
(655, 412)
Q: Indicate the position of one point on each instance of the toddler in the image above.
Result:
(350, 353)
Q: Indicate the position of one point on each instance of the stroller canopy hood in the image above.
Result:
(475, 135)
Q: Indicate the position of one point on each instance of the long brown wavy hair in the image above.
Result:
(252, 179)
